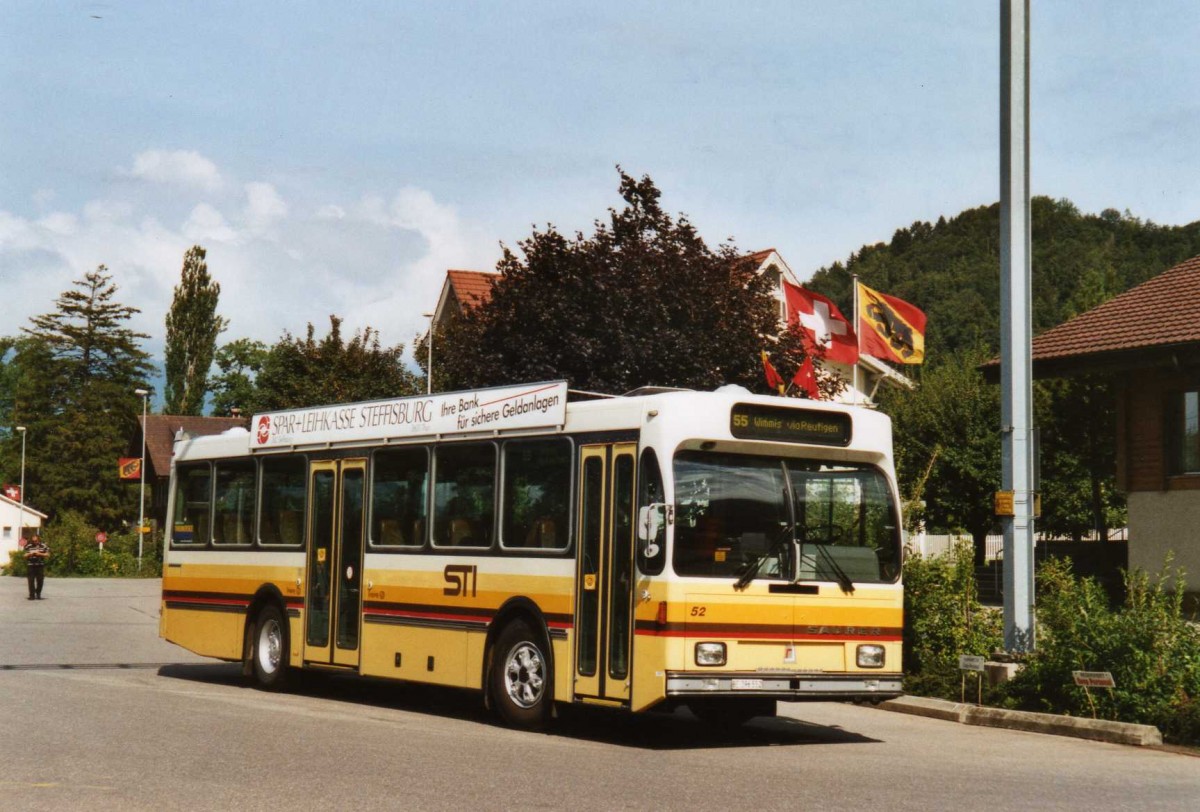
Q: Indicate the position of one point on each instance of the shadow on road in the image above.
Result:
(679, 730)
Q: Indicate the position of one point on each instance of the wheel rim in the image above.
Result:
(525, 675)
(270, 646)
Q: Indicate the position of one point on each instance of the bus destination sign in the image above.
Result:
(536, 405)
(750, 421)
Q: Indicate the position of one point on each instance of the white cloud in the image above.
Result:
(207, 224)
(264, 206)
(179, 167)
(378, 260)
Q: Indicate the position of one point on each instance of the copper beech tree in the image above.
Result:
(641, 301)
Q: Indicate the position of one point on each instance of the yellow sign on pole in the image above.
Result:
(1004, 504)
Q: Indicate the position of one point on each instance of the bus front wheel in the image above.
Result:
(269, 649)
(521, 684)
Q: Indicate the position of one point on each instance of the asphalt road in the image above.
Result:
(97, 713)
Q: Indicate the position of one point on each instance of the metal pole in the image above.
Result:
(856, 324)
(1016, 410)
(142, 486)
(429, 365)
(21, 524)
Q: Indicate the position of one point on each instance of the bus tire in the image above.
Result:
(269, 649)
(521, 686)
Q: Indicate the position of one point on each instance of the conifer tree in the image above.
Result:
(192, 329)
(77, 369)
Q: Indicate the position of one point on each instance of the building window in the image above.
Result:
(1183, 432)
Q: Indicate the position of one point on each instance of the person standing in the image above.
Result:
(36, 554)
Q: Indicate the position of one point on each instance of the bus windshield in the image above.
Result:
(733, 516)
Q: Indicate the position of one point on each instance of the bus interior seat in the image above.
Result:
(268, 533)
(390, 533)
(291, 529)
(233, 529)
(461, 533)
(543, 534)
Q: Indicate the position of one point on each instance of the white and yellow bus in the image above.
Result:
(716, 549)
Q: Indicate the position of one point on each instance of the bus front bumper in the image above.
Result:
(789, 687)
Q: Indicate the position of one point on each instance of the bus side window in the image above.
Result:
(284, 481)
(537, 490)
(464, 495)
(234, 498)
(650, 492)
(193, 486)
(399, 484)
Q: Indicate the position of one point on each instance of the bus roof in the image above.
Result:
(538, 409)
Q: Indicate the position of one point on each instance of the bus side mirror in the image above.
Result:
(650, 524)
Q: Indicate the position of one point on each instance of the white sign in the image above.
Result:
(535, 405)
(1094, 679)
(970, 662)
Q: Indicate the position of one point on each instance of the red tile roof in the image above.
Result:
(1161, 311)
(160, 436)
(472, 288)
(759, 257)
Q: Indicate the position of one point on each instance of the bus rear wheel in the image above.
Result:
(521, 682)
(269, 649)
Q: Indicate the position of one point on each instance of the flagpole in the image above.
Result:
(854, 325)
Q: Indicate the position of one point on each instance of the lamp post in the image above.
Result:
(21, 524)
(144, 394)
(429, 364)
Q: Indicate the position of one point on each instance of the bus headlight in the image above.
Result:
(710, 654)
(870, 656)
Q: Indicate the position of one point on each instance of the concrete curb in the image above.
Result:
(1094, 729)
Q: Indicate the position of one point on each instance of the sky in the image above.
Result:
(339, 157)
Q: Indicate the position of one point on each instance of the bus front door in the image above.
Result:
(604, 576)
(333, 599)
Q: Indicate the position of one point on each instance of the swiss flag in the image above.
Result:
(823, 322)
(806, 378)
(13, 492)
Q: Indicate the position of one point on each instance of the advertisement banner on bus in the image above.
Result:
(537, 405)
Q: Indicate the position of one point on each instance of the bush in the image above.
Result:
(943, 619)
(74, 552)
(1148, 644)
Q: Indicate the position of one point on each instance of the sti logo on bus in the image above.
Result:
(264, 429)
(461, 580)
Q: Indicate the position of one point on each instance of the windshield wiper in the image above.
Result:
(840, 575)
(785, 534)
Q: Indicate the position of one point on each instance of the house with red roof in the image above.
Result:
(18, 521)
(465, 289)
(1148, 340)
(162, 430)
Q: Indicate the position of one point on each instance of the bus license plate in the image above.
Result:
(747, 684)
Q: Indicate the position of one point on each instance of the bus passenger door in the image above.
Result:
(604, 576)
(333, 599)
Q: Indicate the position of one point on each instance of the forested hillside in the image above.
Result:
(947, 429)
(951, 269)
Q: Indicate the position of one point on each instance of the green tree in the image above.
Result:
(641, 301)
(78, 368)
(239, 363)
(192, 329)
(307, 371)
(1077, 419)
(947, 437)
